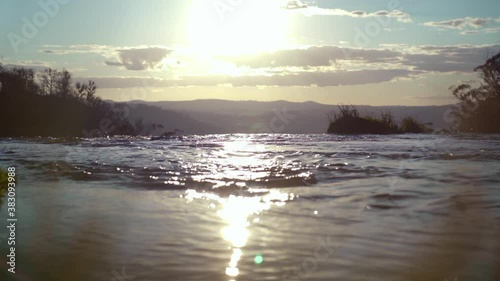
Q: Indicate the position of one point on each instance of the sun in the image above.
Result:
(229, 27)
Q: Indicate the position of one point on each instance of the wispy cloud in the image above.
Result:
(428, 58)
(400, 62)
(317, 11)
(492, 30)
(314, 56)
(139, 58)
(322, 66)
(131, 58)
(76, 49)
(470, 32)
(461, 23)
(299, 79)
(489, 30)
(35, 65)
(435, 97)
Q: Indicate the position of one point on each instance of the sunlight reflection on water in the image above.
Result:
(95, 211)
(235, 210)
(237, 213)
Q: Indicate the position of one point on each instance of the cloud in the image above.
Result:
(321, 66)
(52, 46)
(478, 22)
(131, 58)
(394, 46)
(470, 32)
(459, 58)
(32, 63)
(37, 66)
(427, 58)
(303, 79)
(460, 23)
(358, 13)
(396, 14)
(491, 30)
(139, 58)
(434, 97)
(292, 5)
(315, 56)
(49, 51)
(77, 49)
(437, 63)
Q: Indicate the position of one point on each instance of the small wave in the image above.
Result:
(265, 160)
(474, 156)
(382, 207)
(392, 197)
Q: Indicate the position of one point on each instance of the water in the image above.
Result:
(256, 207)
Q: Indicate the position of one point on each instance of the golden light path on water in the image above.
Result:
(239, 211)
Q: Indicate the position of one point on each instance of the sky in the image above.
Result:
(372, 52)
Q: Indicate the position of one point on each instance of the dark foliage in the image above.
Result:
(479, 107)
(3, 184)
(413, 126)
(49, 104)
(347, 121)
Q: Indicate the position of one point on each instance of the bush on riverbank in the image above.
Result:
(347, 120)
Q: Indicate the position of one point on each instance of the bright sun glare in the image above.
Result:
(243, 27)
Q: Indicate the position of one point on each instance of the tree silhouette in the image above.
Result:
(479, 107)
(18, 80)
(64, 84)
(86, 91)
(53, 106)
(48, 80)
(91, 89)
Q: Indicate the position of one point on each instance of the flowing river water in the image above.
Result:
(255, 207)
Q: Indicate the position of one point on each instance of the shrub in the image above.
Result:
(413, 126)
(345, 111)
(347, 120)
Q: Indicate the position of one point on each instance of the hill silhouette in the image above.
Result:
(156, 121)
(308, 117)
(48, 103)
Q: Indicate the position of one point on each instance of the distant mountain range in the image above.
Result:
(223, 116)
